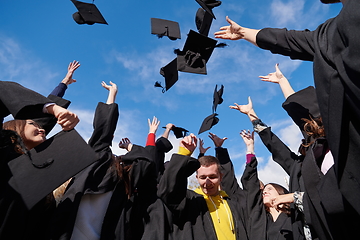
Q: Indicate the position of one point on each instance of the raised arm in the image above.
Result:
(172, 188)
(112, 91)
(279, 78)
(61, 88)
(252, 188)
(167, 130)
(246, 109)
(235, 32)
(105, 120)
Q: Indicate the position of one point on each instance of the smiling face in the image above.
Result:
(33, 134)
(209, 179)
(269, 193)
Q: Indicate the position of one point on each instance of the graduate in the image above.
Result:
(332, 47)
(18, 220)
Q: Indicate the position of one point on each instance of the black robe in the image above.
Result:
(259, 224)
(125, 217)
(16, 221)
(190, 215)
(334, 47)
(323, 203)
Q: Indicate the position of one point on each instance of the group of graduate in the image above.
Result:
(65, 188)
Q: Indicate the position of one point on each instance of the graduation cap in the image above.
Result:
(170, 73)
(162, 27)
(217, 97)
(87, 13)
(208, 5)
(203, 21)
(179, 132)
(209, 122)
(195, 54)
(47, 166)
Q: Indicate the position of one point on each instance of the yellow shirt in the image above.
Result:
(220, 214)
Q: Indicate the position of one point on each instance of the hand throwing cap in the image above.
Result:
(170, 73)
(208, 5)
(209, 122)
(49, 165)
(195, 54)
(162, 27)
(217, 97)
(87, 13)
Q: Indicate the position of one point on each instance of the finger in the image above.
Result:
(229, 20)
(249, 99)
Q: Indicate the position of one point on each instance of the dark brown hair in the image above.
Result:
(17, 126)
(281, 191)
(123, 171)
(314, 128)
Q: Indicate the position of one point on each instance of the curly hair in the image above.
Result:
(314, 128)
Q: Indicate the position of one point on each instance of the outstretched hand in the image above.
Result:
(201, 147)
(71, 69)
(218, 142)
(111, 87)
(125, 143)
(231, 32)
(274, 77)
(189, 142)
(246, 109)
(153, 125)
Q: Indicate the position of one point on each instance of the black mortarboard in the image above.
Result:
(49, 165)
(302, 104)
(208, 5)
(195, 54)
(162, 27)
(203, 21)
(87, 13)
(171, 75)
(179, 132)
(217, 97)
(208, 122)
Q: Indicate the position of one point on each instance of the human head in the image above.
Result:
(209, 175)
(270, 191)
(31, 133)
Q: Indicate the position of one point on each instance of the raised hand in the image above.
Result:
(201, 147)
(71, 69)
(125, 143)
(231, 32)
(218, 142)
(153, 125)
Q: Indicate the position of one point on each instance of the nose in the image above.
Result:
(208, 181)
(41, 130)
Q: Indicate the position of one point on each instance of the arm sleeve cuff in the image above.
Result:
(184, 151)
(150, 139)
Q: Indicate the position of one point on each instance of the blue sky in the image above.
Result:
(38, 39)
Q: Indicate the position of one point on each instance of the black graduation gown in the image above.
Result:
(16, 221)
(323, 198)
(258, 223)
(334, 47)
(190, 214)
(124, 218)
